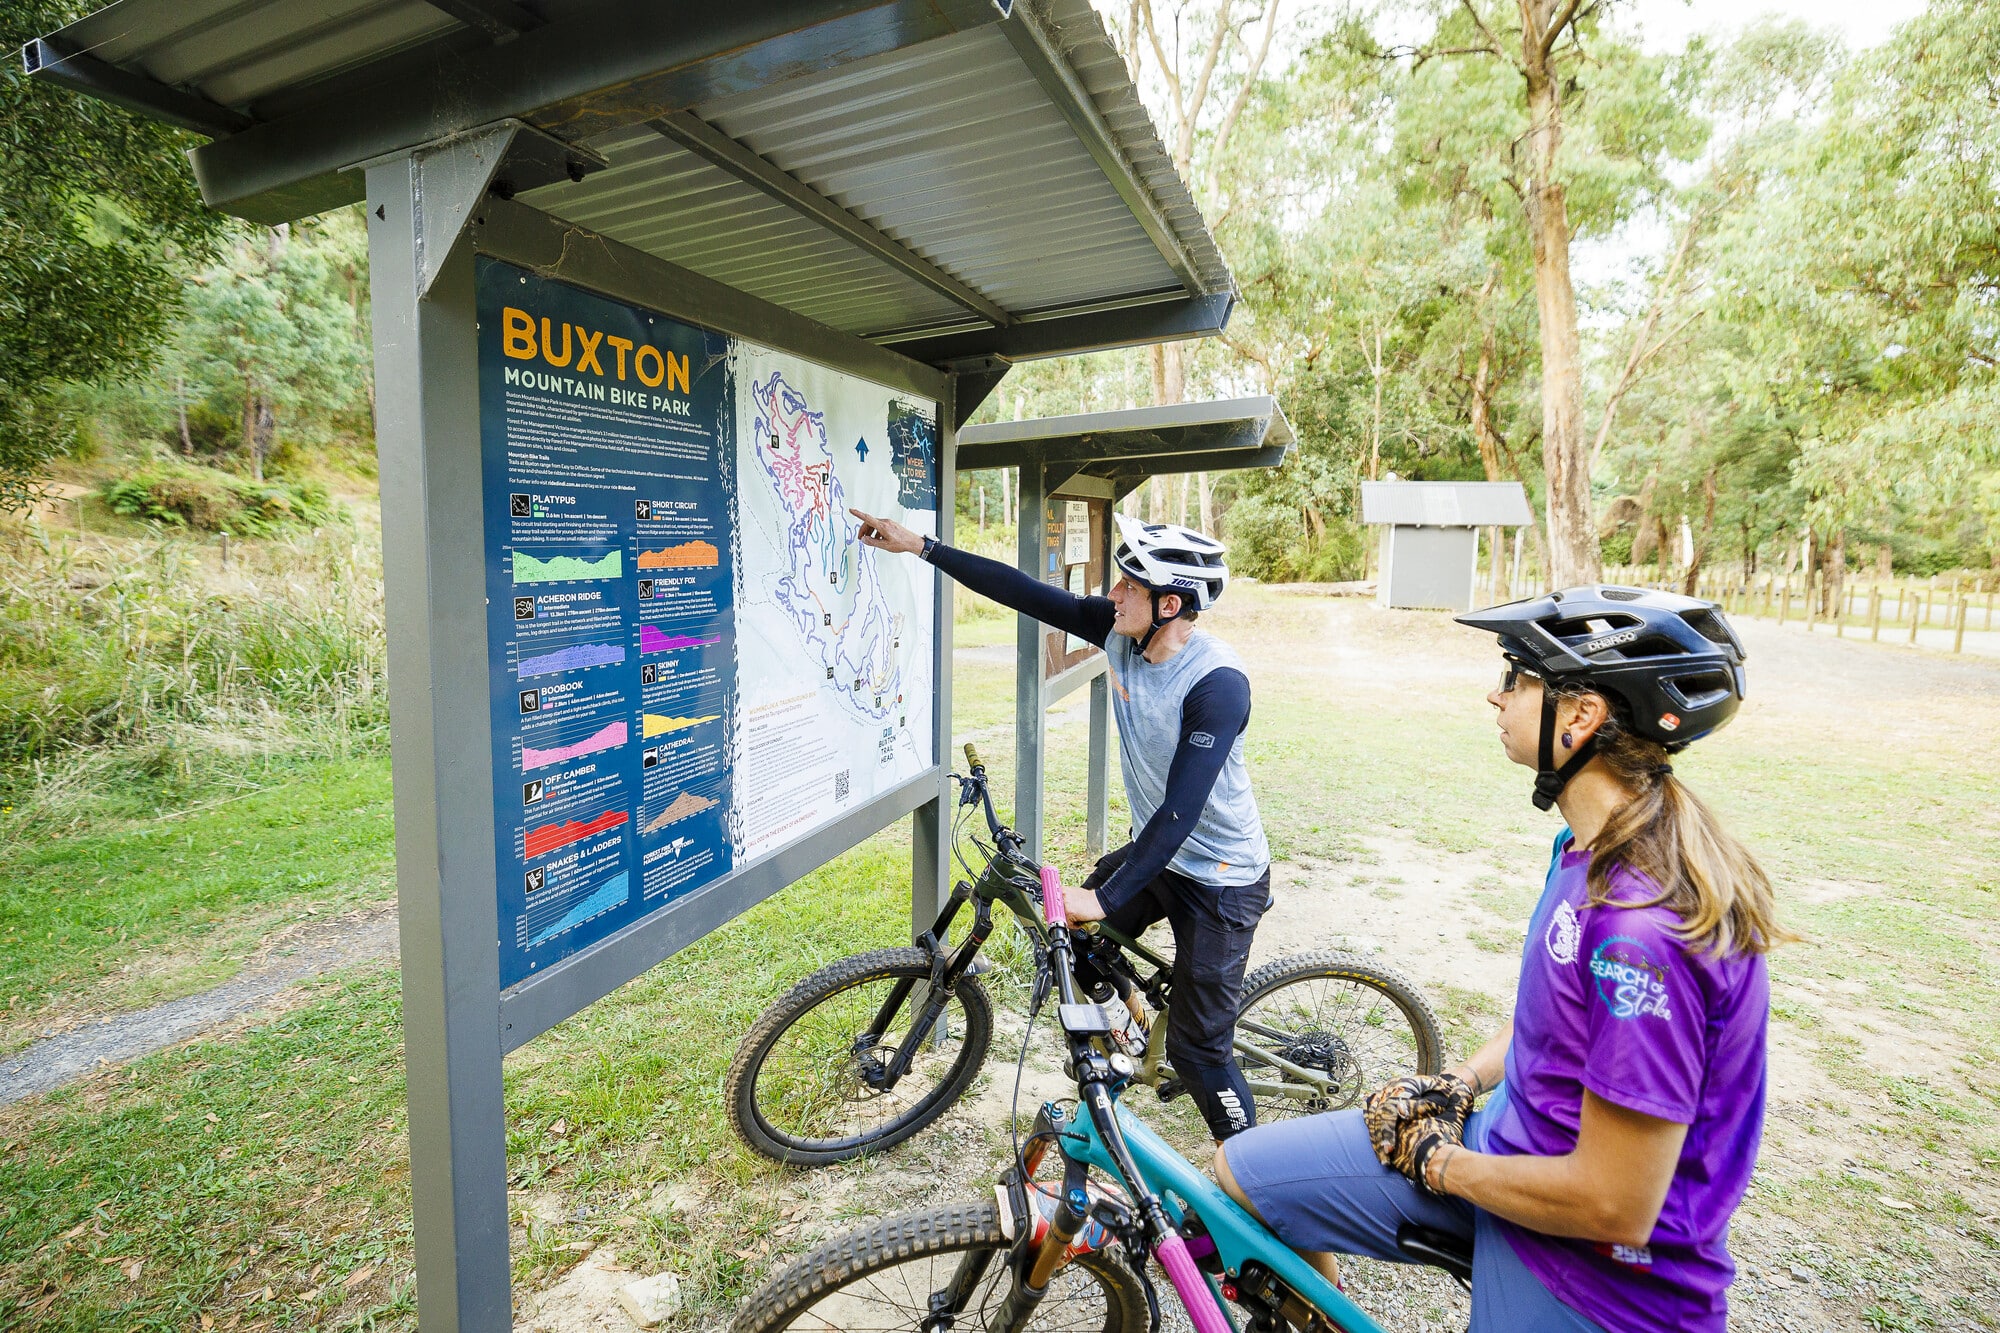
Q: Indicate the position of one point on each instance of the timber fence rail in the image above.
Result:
(1892, 610)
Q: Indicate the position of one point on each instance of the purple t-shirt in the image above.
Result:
(1610, 1000)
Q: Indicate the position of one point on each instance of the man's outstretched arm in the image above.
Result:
(1089, 618)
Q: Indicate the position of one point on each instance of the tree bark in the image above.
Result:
(181, 407)
(1573, 551)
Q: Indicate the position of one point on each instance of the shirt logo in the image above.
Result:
(1202, 740)
(1564, 934)
(1629, 982)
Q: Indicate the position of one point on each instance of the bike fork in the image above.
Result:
(945, 972)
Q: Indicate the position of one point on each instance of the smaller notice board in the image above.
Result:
(693, 661)
(1073, 559)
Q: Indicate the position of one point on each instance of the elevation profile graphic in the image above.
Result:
(681, 807)
(688, 555)
(658, 641)
(610, 894)
(551, 836)
(573, 658)
(532, 569)
(605, 738)
(656, 725)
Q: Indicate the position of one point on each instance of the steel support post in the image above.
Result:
(1097, 808)
(427, 433)
(930, 829)
(1030, 713)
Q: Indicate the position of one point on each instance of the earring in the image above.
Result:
(1566, 740)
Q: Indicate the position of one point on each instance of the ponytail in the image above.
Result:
(1667, 834)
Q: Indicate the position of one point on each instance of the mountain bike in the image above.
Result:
(871, 1049)
(1073, 1253)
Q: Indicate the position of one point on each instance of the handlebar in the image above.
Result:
(1052, 898)
(972, 760)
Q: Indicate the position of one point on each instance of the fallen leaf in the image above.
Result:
(75, 1231)
(132, 1270)
(581, 1246)
(207, 1322)
(560, 1127)
(269, 1294)
(1890, 1201)
(212, 1118)
(359, 1276)
(169, 1119)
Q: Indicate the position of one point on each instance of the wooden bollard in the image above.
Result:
(1958, 629)
(1785, 602)
(1874, 614)
(1916, 612)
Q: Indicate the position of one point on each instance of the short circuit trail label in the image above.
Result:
(692, 659)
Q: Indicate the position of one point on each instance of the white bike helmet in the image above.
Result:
(1166, 558)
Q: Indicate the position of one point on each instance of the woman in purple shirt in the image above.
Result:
(1598, 1182)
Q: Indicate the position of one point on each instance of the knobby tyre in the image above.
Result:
(880, 1277)
(799, 1089)
(1350, 1018)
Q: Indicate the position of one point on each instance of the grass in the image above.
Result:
(154, 909)
(616, 1135)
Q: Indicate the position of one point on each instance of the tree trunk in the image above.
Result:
(1644, 538)
(1209, 523)
(181, 407)
(1483, 433)
(1701, 543)
(266, 432)
(1573, 551)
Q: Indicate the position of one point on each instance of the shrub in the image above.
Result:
(1271, 542)
(212, 501)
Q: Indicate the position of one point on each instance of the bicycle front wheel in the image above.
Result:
(883, 1276)
(1350, 1022)
(807, 1086)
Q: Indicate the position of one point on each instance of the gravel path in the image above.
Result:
(293, 956)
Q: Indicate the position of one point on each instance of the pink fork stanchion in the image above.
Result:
(1172, 1252)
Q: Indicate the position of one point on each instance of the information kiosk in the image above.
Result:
(1074, 470)
(659, 291)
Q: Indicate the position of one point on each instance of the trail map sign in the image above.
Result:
(692, 659)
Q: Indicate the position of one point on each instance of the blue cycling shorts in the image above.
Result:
(1316, 1183)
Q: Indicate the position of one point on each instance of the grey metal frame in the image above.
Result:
(429, 214)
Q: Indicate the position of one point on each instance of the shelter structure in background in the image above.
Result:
(1430, 536)
(1074, 470)
(658, 289)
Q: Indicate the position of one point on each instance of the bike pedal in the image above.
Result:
(1170, 1088)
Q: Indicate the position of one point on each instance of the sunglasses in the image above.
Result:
(1511, 676)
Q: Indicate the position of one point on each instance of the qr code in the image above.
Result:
(840, 783)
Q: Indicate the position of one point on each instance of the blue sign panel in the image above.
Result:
(609, 465)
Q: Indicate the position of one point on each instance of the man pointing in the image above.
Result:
(1198, 857)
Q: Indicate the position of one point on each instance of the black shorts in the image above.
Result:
(1213, 926)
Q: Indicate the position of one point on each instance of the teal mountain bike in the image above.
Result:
(1072, 1252)
(870, 1049)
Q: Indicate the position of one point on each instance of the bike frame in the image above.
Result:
(1016, 892)
(1239, 1238)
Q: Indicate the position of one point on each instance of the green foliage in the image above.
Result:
(212, 501)
(97, 215)
(94, 650)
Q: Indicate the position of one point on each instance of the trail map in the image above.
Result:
(835, 640)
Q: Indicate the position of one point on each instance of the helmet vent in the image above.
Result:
(1620, 594)
(1705, 624)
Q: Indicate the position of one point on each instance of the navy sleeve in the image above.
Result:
(1089, 618)
(1213, 715)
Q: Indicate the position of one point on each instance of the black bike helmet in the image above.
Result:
(1670, 664)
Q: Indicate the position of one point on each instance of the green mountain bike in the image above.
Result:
(870, 1049)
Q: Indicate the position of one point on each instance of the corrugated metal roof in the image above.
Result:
(1445, 504)
(1014, 156)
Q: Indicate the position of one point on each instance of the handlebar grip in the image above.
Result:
(972, 758)
(1194, 1293)
(1052, 898)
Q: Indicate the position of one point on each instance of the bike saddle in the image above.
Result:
(1439, 1249)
